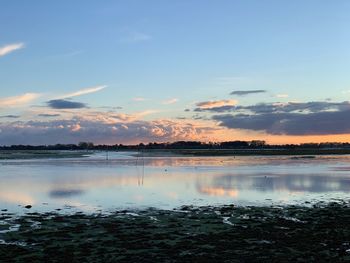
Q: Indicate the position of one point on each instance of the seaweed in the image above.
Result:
(318, 233)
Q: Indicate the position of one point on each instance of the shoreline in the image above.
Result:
(304, 153)
(62, 154)
(40, 154)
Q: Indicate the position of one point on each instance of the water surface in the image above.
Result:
(124, 181)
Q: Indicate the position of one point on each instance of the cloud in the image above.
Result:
(81, 129)
(138, 99)
(47, 115)
(197, 117)
(65, 104)
(111, 108)
(218, 109)
(287, 107)
(83, 92)
(141, 114)
(309, 118)
(296, 107)
(247, 92)
(109, 117)
(4, 50)
(170, 101)
(322, 123)
(215, 106)
(68, 54)
(282, 96)
(18, 100)
(135, 37)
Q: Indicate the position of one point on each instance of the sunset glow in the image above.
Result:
(173, 71)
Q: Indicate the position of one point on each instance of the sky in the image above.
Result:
(160, 71)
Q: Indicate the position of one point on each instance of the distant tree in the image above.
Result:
(86, 145)
(234, 144)
(257, 144)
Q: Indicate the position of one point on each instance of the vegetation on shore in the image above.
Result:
(187, 148)
(319, 233)
(307, 153)
(58, 154)
(185, 145)
(39, 154)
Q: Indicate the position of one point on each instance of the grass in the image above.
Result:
(39, 154)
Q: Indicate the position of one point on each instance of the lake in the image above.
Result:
(94, 184)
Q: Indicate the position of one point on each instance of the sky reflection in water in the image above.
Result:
(125, 182)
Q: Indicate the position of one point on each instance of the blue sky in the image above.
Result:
(162, 57)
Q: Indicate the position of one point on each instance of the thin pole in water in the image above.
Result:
(137, 156)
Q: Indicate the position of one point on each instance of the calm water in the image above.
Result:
(91, 184)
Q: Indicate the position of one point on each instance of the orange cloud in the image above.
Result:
(170, 101)
(215, 104)
(18, 100)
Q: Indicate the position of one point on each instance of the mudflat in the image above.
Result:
(317, 233)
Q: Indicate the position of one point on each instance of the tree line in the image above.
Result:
(255, 144)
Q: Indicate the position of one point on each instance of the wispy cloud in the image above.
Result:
(142, 114)
(68, 54)
(83, 92)
(4, 50)
(170, 101)
(134, 37)
(247, 92)
(139, 99)
(18, 100)
(282, 96)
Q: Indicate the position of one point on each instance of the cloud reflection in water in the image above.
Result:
(63, 193)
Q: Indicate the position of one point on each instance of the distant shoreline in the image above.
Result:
(308, 153)
(59, 154)
(40, 154)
